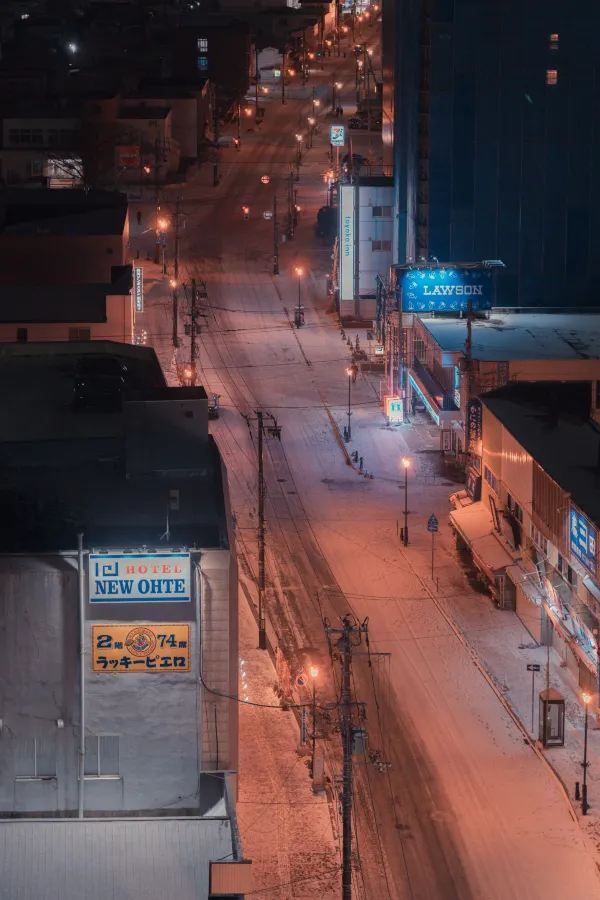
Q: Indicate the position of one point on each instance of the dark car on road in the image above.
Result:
(327, 219)
(99, 383)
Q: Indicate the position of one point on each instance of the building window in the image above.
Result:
(381, 246)
(514, 508)
(566, 571)
(539, 540)
(553, 40)
(551, 77)
(491, 479)
(202, 45)
(22, 335)
(203, 63)
(383, 212)
(102, 755)
(80, 334)
(25, 137)
(35, 758)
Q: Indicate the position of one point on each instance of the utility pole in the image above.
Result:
(275, 235)
(216, 132)
(273, 430)
(156, 202)
(350, 636)
(283, 77)
(256, 84)
(176, 274)
(262, 633)
(193, 348)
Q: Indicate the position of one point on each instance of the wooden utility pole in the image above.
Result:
(273, 430)
(283, 77)
(350, 635)
(176, 275)
(262, 633)
(193, 347)
(275, 235)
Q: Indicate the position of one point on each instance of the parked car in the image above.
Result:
(327, 222)
(99, 382)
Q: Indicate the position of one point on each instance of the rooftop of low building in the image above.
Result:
(551, 421)
(26, 211)
(109, 470)
(508, 335)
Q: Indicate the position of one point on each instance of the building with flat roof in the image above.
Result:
(115, 532)
(69, 312)
(61, 237)
(444, 377)
(534, 532)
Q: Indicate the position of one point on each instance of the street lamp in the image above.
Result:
(299, 317)
(584, 804)
(298, 155)
(161, 226)
(349, 373)
(311, 121)
(314, 674)
(406, 466)
(335, 86)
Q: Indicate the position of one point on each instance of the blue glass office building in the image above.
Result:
(496, 125)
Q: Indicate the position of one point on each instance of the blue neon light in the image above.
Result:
(446, 289)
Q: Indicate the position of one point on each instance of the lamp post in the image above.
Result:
(161, 227)
(335, 85)
(349, 373)
(299, 317)
(314, 674)
(311, 121)
(298, 155)
(584, 804)
(406, 466)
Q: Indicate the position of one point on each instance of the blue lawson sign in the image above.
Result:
(446, 289)
(139, 577)
(583, 538)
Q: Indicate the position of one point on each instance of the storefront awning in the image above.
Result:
(528, 582)
(475, 525)
(592, 587)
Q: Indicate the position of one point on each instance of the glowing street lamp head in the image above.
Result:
(339, 85)
(173, 283)
(247, 111)
(314, 672)
(162, 224)
(317, 103)
(298, 137)
(311, 120)
(291, 72)
(586, 697)
(299, 271)
(405, 462)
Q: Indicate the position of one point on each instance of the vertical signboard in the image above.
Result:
(474, 426)
(582, 540)
(139, 578)
(138, 288)
(337, 135)
(346, 255)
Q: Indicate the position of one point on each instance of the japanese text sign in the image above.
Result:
(139, 577)
(582, 540)
(138, 287)
(141, 648)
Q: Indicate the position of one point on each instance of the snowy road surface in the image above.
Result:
(466, 809)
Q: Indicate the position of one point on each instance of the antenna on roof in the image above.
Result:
(166, 535)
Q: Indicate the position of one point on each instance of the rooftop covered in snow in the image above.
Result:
(512, 335)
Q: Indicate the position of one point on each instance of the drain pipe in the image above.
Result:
(81, 579)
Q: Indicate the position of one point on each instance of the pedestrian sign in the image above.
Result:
(337, 135)
(432, 523)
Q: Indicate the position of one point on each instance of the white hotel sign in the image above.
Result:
(139, 577)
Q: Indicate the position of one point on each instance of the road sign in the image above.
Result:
(337, 135)
(268, 214)
(432, 523)
(300, 680)
(533, 667)
(265, 179)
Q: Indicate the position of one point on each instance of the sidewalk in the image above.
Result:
(285, 829)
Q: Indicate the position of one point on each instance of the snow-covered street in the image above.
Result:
(467, 808)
